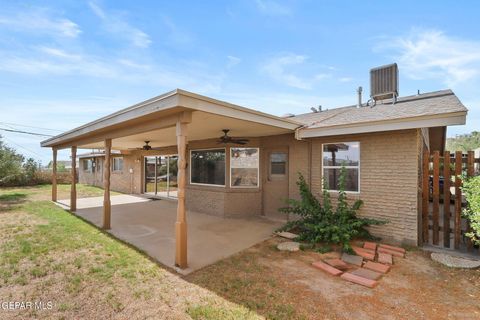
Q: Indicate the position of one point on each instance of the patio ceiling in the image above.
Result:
(203, 126)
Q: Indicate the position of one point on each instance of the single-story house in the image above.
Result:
(173, 146)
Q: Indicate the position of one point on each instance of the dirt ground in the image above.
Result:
(283, 285)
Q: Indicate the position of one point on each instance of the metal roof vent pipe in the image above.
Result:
(359, 92)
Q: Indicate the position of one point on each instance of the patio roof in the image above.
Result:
(155, 119)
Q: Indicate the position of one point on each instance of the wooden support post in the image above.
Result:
(73, 189)
(470, 172)
(54, 175)
(458, 198)
(436, 196)
(446, 199)
(181, 224)
(425, 194)
(107, 206)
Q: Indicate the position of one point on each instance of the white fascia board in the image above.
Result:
(201, 103)
(164, 102)
(403, 124)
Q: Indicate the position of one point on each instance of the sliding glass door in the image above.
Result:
(161, 176)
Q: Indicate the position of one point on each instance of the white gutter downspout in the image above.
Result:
(297, 133)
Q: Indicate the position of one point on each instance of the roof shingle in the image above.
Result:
(432, 103)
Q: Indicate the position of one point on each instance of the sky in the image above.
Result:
(65, 63)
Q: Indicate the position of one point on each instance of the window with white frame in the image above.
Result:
(207, 167)
(117, 164)
(87, 165)
(336, 155)
(244, 167)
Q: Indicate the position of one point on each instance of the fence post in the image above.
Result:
(470, 172)
(458, 198)
(446, 198)
(436, 196)
(425, 194)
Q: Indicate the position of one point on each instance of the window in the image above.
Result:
(244, 167)
(117, 164)
(87, 165)
(207, 167)
(278, 164)
(336, 155)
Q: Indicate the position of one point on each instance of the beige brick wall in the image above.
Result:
(389, 166)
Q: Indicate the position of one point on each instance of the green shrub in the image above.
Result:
(322, 222)
(471, 189)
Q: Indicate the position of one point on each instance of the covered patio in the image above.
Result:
(170, 121)
(148, 225)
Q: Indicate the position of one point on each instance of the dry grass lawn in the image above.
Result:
(47, 254)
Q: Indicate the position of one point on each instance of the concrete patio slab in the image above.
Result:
(150, 226)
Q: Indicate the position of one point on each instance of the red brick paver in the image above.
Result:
(386, 246)
(385, 258)
(364, 253)
(325, 267)
(337, 263)
(392, 252)
(370, 246)
(367, 273)
(378, 267)
(359, 280)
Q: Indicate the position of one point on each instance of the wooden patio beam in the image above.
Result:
(127, 129)
(73, 188)
(107, 206)
(181, 223)
(54, 174)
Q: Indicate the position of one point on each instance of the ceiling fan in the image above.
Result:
(227, 139)
(146, 147)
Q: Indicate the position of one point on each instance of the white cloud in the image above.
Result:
(41, 21)
(280, 68)
(432, 54)
(273, 8)
(116, 24)
(345, 79)
(233, 61)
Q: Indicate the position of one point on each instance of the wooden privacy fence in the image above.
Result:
(442, 200)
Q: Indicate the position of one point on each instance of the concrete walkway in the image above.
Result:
(150, 226)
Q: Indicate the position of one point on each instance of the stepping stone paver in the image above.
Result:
(385, 258)
(337, 263)
(370, 246)
(364, 253)
(399, 249)
(287, 235)
(366, 273)
(289, 246)
(325, 267)
(392, 252)
(351, 259)
(378, 267)
(359, 280)
(455, 262)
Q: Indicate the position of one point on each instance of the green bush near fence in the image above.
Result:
(471, 189)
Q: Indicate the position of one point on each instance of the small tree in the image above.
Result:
(322, 222)
(10, 164)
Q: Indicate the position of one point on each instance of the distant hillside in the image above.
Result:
(464, 142)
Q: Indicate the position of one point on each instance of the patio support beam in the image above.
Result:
(107, 206)
(181, 224)
(54, 174)
(73, 189)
